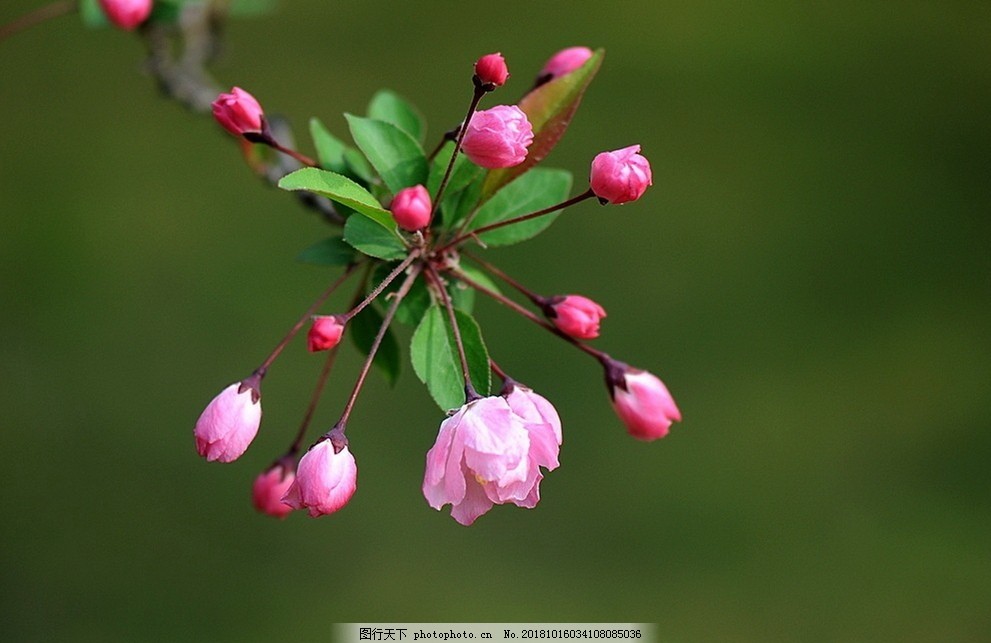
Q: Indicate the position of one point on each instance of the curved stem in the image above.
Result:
(475, 98)
(526, 292)
(470, 393)
(382, 286)
(525, 217)
(39, 15)
(400, 294)
(302, 320)
(302, 158)
(314, 399)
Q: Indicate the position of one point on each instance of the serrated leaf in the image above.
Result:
(435, 357)
(372, 239)
(536, 190)
(341, 189)
(332, 251)
(330, 149)
(394, 154)
(392, 108)
(358, 166)
(549, 108)
(460, 204)
(363, 327)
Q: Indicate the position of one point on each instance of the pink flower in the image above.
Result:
(576, 316)
(481, 457)
(544, 428)
(641, 401)
(238, 112)
(491, 70)
(620, 176)
(126, 14)
(229, 422)
(411, 208)
(565, 62)
(325, 333)
(325, 480)
(498, 137)
(268, 489)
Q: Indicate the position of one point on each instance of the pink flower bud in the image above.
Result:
(491, 70)
(325, 333)
(620, 176)
(238, 112)
(229, 422)
(565, 62)
(498, 137)
(411, 208)
(126, 14)
(641, 401)
(481, 457)
(268, 489)
(325, 480)
(576, 316)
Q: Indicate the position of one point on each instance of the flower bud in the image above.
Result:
(268, 489)
(491, 70)
(641, 401)
(325, 332)
(575, 316)
(620, 176)
(325, 480)
(238, 112)
(411, 208)
(229, 422)
(126, 14)
(498, 137)
(564, 62)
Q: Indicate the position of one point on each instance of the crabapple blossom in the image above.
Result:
(268, 489)
(229, 422)
(641, 401)
(238, 112)
(491, 70)
(576, 316)
(325, 332)
(543, 425)
(565, 62)
(620, 176)
(325, 480)
(126, 14)
(498, 137)
(411, 208)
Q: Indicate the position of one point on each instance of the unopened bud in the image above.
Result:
(238, 112)
(620, 176)
(126, 14)
(498, 137)
(576, 316)
(325, 332)
(411, 208)
(491, 70)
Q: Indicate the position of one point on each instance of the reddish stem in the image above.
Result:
(39, 15)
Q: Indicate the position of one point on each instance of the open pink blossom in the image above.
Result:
(325, 480)
(543, 425)
(641, 401)
(491, 70)
(411, 208)
(481, 457)
(564, 62)
(126, 14)
(498, 137)
(229, 423)
(268, 489)
(620, 176)
(576, 316)
(325, 332)
(238, 112)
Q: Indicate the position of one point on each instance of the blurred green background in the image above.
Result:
(809, 274)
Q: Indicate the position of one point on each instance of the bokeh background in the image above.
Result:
(809, 274)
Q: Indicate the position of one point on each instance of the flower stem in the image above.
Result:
(39, 15)
(302, 320)
(526, 292)
(470, 393)
(390, 313)
(314, 399)
(462, 235)
(475, 98)
(382, 286)
(302, 158)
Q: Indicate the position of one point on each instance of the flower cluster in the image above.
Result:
(416, 227)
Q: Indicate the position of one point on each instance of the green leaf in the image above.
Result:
(332, 251)
(330, 149)
(359, 167)
(416, 302)
(390, 107)
(92, 15)
(341, 189)
(435, 357)
(462, 294)
(363, 327)
(536, 190)
(549, 109)
(397, 158)
(460, 204)
(464, 171)
(369, 237)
